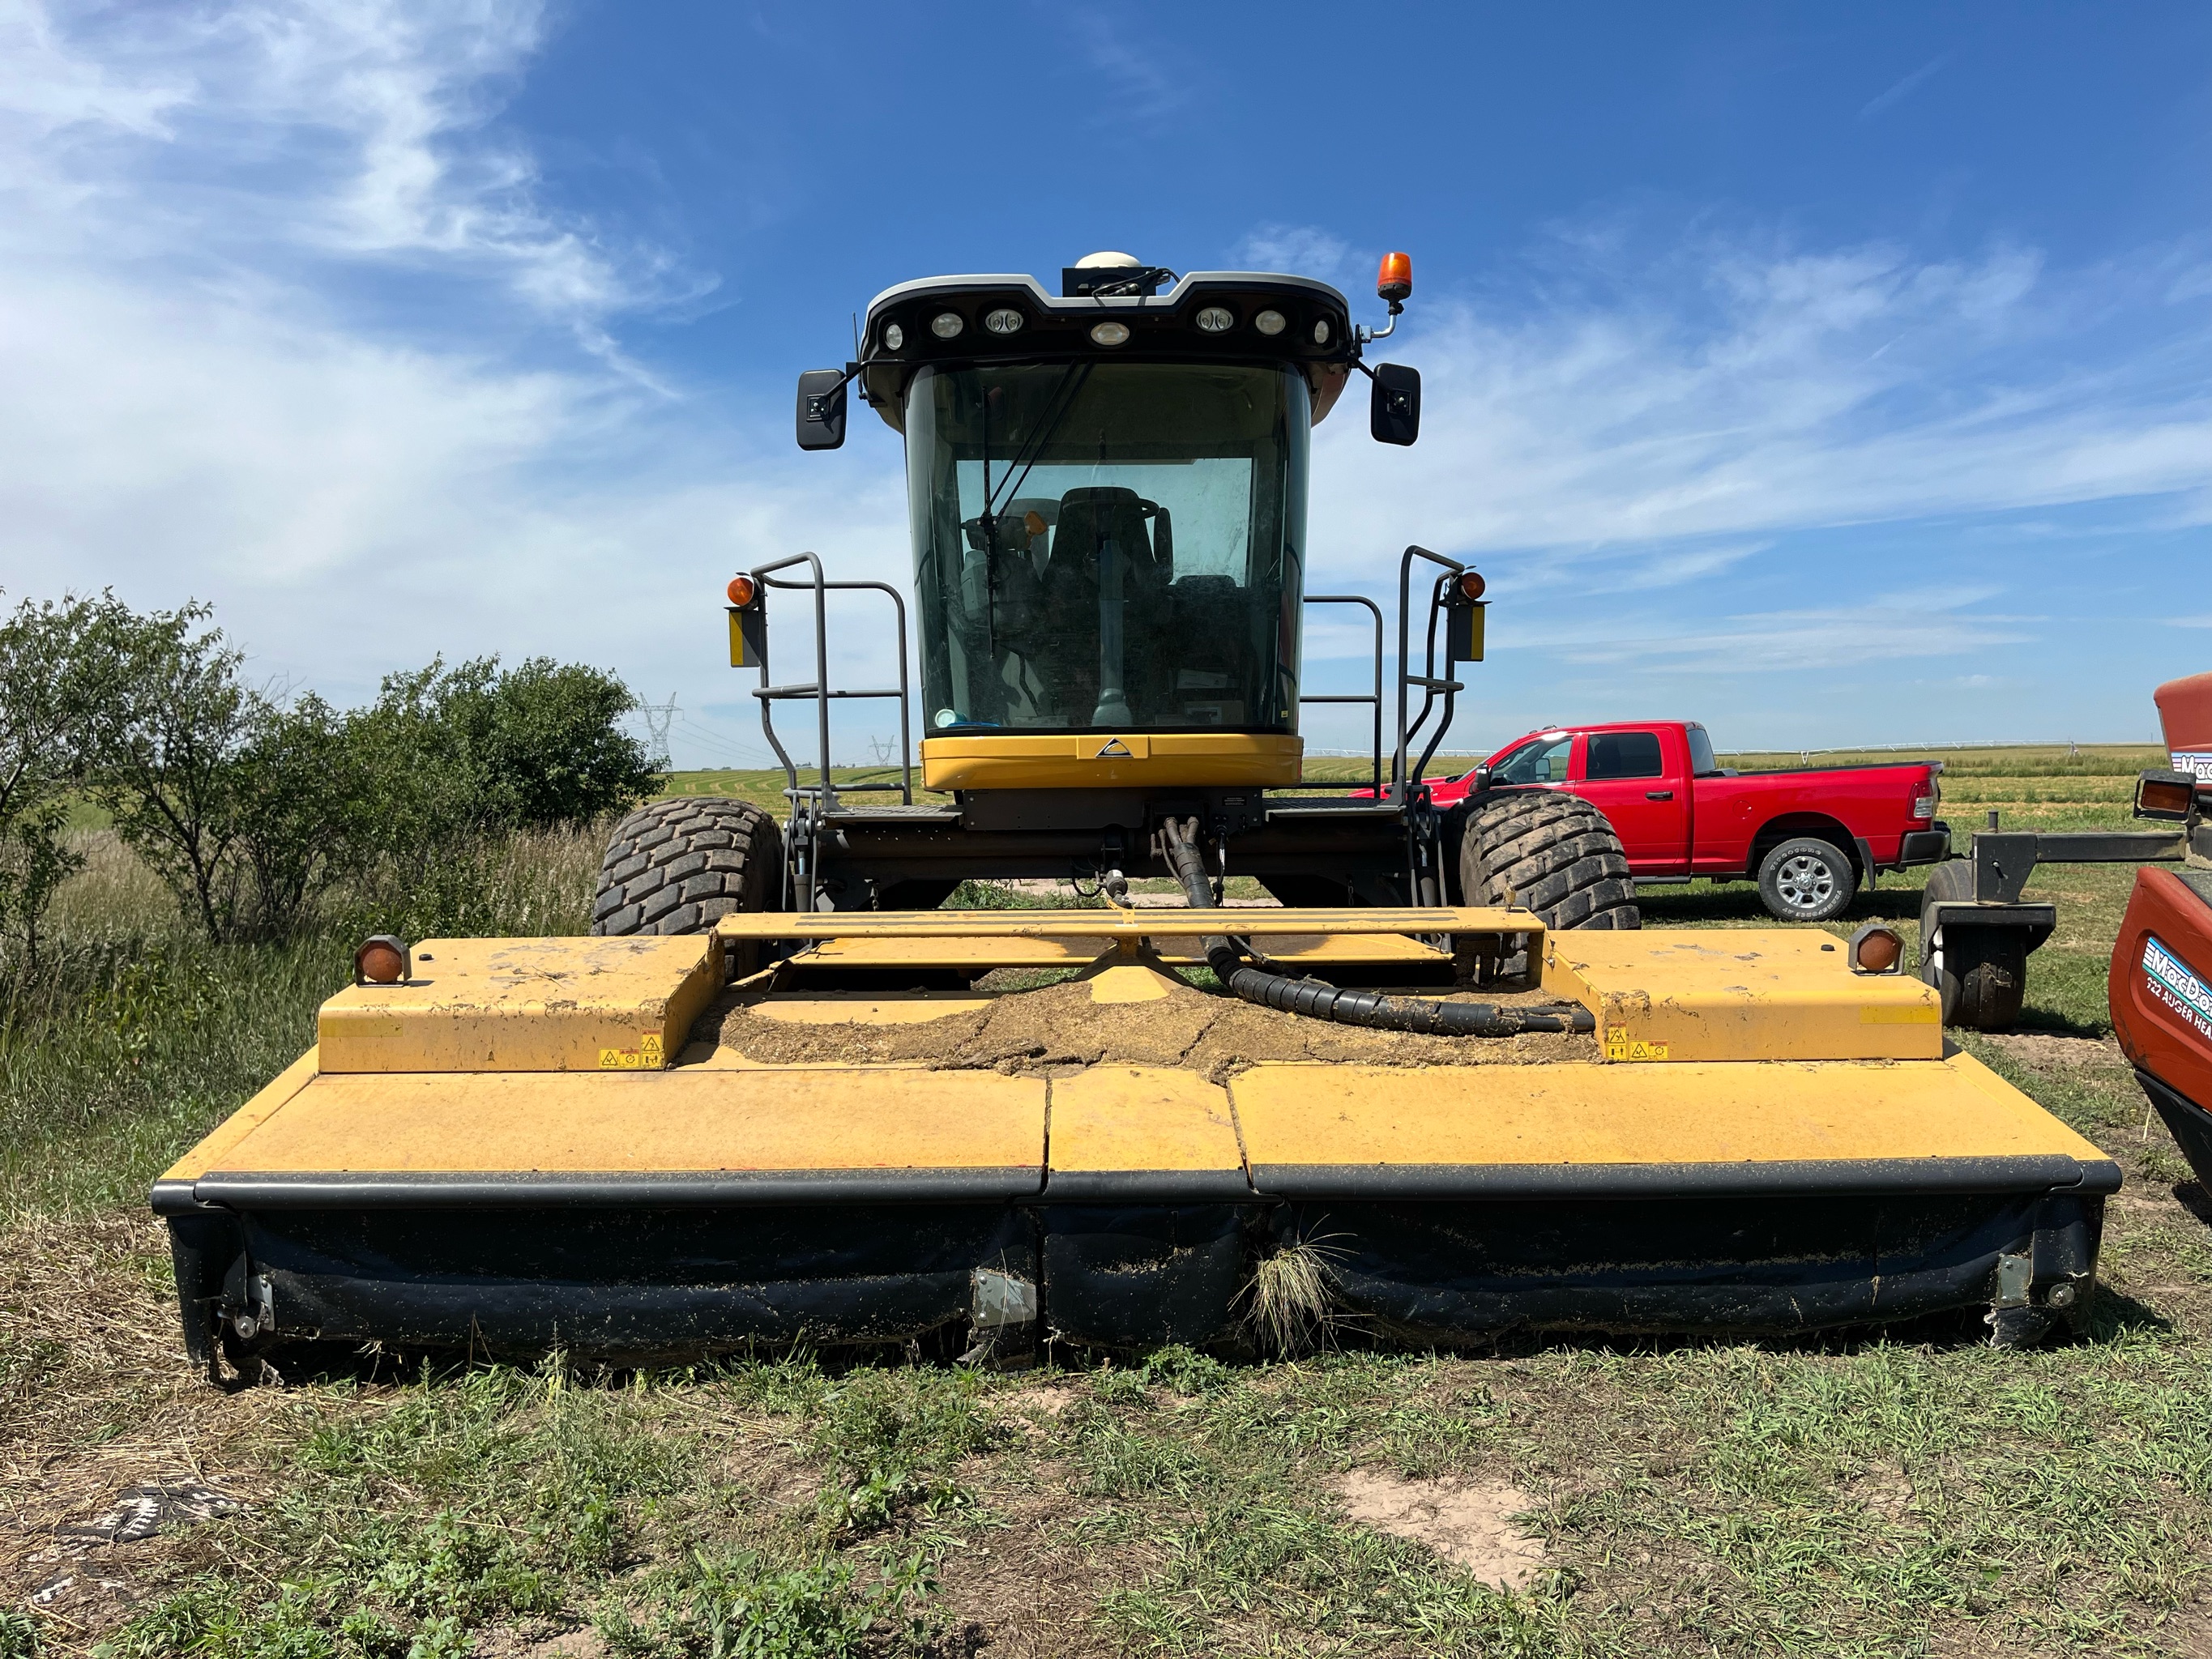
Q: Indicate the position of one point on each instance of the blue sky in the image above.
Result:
(1829, 375)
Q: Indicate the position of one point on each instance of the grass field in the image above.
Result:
(1861, 1497)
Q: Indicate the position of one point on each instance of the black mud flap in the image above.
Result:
(629, 1284)
(1137, 1276)
(2190, 1124)
(1459, 1271)
(204, 1247)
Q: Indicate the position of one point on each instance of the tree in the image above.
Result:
(57, 665)
(252, 809)
(165, 748)
(296, 795)
(474, 749)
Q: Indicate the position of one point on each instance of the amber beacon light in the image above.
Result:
(1394, 281)
(744, 590)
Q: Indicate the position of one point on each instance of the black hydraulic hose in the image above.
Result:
(1318, 1000)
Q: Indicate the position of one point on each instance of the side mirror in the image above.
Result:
(1394, 408)
(821, 409)
(1479, 780)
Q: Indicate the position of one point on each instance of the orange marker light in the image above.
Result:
(1395, 282)
(381, 960)
(744, 590)
(1877, 950)
(1471, 584)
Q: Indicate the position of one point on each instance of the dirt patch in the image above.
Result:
(520, 1644)
(1466, 1521)
(1059, 1026)
(1051, 1400)
(1884, 1491)
(2045, 1048)
(1029, 1586)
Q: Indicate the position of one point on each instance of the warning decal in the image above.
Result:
(2172, 983)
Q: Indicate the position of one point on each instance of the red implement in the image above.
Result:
(2185, 710)
(2161, 997)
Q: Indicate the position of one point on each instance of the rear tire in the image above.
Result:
(1552, 853)
(1807, 879)
(1980, 973)
(680, 865)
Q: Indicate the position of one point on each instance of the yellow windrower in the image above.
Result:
(782, 1095)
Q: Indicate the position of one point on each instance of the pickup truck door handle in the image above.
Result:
(1658, 794)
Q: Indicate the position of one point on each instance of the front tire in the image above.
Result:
(1552, 853)
(1807, 879)
(680, 865)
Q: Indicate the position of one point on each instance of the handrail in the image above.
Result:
(826, 792)
(1375, 697)
(810, 802)
(1430, 683)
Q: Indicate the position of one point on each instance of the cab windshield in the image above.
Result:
(1103, 546)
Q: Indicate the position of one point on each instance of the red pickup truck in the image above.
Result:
(1809, 838)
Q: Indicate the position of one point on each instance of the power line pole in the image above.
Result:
(659, 717)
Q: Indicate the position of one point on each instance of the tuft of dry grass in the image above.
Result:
(1291, 1307)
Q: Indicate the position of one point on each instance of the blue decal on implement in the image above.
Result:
(2173, 984)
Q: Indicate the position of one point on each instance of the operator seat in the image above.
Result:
(1088, 519)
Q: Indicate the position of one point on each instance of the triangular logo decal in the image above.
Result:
(1115, 749)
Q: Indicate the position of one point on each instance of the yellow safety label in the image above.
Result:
(1910, 1013)
(1619, 1045)
(645, 1057)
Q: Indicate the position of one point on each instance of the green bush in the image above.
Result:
(19, 1635)
(258, 810)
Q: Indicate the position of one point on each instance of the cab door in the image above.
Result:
(1639, 781)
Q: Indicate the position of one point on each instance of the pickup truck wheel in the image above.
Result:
(1980, 973)
(1806, 880)
(1552, 853)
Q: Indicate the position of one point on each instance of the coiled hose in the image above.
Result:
(1316, 1000)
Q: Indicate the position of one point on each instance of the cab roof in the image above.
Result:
(1316, 332)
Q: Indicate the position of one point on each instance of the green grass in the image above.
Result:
(138, 1036)
(1711, 1497)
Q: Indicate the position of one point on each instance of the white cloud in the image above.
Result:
(358, 130)
(1144, 87)
(1770, 394)
(1903, 89)
(188, 411)
(1299, 250)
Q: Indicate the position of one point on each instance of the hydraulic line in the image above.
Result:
(1226, 957)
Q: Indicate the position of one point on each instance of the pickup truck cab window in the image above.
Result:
(1624, 755)
(1702, 764)
(1542, 760)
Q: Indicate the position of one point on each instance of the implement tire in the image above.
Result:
(680, 865)
(1980, 973)
(1550, 852)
